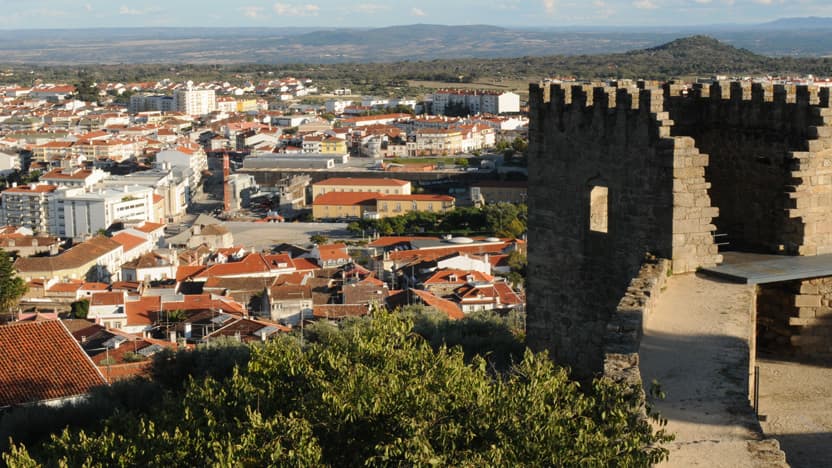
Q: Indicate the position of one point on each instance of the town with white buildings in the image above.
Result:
(162, 199)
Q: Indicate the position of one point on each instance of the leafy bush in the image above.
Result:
(371, 392)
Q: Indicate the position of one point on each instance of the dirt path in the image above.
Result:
(797, 402)
(695, 346)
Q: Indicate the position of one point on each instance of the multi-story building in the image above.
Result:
(149, 103)
(440, 141)
(398, 205)
(475, 101)
(191, 163)
(333, 145)
(372, 205)
(193, 101)
(80, 213)
(28, 206)
(73, 177)
(348, 184)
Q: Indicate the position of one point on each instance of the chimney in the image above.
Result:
(172, 335)
(188, 331)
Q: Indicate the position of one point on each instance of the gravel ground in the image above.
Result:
(796, 400)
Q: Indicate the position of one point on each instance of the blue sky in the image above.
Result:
(27, 14)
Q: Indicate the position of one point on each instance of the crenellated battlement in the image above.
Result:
(650, 95)
(622, 95)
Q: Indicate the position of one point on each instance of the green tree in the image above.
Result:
(370, 392)
(85, 89)
(319, 239)
(80, 309)
(518, 263)
(12, 287)
(519, 145)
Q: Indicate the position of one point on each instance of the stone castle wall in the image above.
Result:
(769, 167)
(796, 317)
(619, 171)
(581, 138)
(623, 335)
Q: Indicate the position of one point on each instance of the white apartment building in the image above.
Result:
(74, 177)
(163, 182)
(194, 101)
(81, 213)
(148, 103)
(28, 206)
(476, 101)
(191, 161)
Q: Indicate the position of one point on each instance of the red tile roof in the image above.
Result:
(249, 265)
(451, 275)
(60, 174)
(449, 308)
(107, 298)
(149, 227)
(363, 181)
(347, 198)
(39, 188)
(393, 240)
(339, 311)
(305, 264)
(71, 286)
(128, 241)
(333, 252)
(184, 272)
(42, 361)
(418, 197)
(143, 311)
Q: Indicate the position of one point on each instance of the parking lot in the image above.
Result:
(262, 236)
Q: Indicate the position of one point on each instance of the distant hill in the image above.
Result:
(811, 22)
(786, 37)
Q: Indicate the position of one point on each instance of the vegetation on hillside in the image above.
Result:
(12, 287)
(498, 219)
(371, 393)
(697, 55)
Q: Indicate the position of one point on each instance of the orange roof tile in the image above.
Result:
(142, 311)
(128, 241)
(39, 188)
(184, 272)
(305, 264)
(340, 311)
(107, 298)
(457, 276)
(347, 198)
(42, 361)
(149, 227)
(451, 309)
(418, 197)
(362, 181)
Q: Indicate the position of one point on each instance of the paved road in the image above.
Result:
(696, 346)
(260, 236)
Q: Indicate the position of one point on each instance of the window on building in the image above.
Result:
(598, 209)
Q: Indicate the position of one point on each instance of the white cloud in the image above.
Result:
(764, 2)
(286, 9)
(702, 2)
(645, 5)
(125, 10)
(549, 6)
(253, 12)
(87, 7)
(418, 12)
(507, 5)
(370, 8)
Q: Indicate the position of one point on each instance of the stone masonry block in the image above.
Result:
(807, 300)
